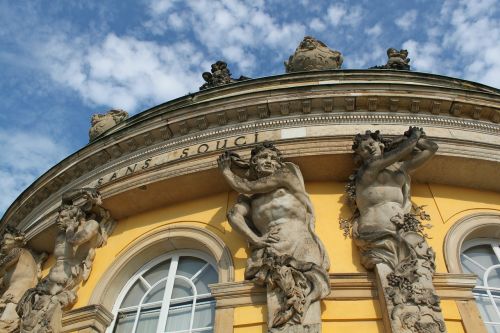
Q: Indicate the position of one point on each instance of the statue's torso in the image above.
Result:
(382, 199)
(281, 213)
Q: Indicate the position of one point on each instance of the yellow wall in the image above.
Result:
(445, 204)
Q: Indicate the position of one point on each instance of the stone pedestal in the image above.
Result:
(408, 307)
(310, 324)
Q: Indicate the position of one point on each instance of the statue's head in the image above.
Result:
(368, 146)
(11, 239)
(265, 159)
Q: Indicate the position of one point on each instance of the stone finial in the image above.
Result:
(312, 55)
(396, 60)
(100, 123)
(219, 76)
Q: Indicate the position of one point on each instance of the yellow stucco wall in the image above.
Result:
(445, 204)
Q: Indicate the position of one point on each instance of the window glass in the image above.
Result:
(482, 257)
(171, 293)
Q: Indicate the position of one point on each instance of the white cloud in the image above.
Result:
(340, 14)
(25, 156)
(407, 20)
(123, 72)
(374, 31)
(317, 25)
(236, 30)
(424, 56)
(336, 13)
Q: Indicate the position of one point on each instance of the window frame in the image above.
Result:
(495, 246)
(165, 305)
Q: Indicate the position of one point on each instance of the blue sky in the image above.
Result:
(62, 61)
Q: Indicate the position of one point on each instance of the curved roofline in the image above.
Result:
(194, 98)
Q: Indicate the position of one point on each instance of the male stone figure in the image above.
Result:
(276, 216)
(390, 238)
(19, 271)
(83, 226)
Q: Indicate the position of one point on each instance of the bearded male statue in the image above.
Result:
(274, 213)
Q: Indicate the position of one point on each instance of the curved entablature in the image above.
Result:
(313, 115)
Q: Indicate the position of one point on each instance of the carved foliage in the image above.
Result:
(312, 54)
(83, 226)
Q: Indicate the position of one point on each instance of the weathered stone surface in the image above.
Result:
(276, 216)
(311, 55)
(100, 123)
(386, 228)
(83, 226)
(396, 60)
(219, 76)
(19, 271)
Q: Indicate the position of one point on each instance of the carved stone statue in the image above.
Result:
(219, 76)
(387, 232)
(274, 213)
(100, 123)
(312, 55)
(396, 60)
(19, 271)
(83, 226)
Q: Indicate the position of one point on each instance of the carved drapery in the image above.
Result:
(389, 232)
(276, 216)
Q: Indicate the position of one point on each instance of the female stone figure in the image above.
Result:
(388, 235)
(275, 214)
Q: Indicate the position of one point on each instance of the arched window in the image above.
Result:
(170, 294)
(481, 257)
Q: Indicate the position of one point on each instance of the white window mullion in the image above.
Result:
(162, 321)
(496, 249)
(195, 297)
(199, 272)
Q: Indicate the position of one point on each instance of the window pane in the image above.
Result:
(148, 321)
(482, 254)
(134, 295)
(188, 266)
(124, 323)
(179, 317)
(488, 312)
(181, 289)
(494, 278)
(471, 268)
(158, 272)
(156, 294)
(207, 277)
(203, 315)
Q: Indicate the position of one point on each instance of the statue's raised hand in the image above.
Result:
(224, 161)
(415, 132)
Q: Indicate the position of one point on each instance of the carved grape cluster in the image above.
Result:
(400, 282)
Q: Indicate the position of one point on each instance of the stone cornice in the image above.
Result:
(344, 286)
(287, 101)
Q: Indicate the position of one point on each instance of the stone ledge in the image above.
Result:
(345, 286)
(88, 319)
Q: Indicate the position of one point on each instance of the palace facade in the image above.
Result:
(131, 233)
